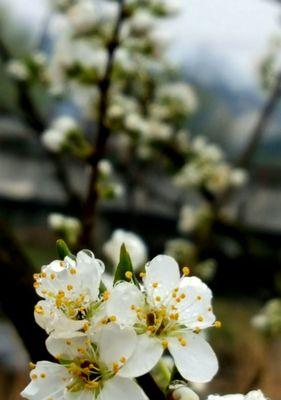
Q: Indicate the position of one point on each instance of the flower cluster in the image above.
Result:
(103, 338)
(207, 169)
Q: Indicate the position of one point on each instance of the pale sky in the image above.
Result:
(236, 31)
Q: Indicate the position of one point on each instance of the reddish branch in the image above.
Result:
(103, 133)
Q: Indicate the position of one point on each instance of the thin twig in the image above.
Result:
(262, 124)
(103, 133)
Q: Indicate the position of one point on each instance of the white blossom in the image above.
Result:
(192, 217)
(56, 136)
(134, 245)
(91, 369)
(168, 312)
(70, 290)
(105, 167)
(18, 70)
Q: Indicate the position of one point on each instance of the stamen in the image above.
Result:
(128, 275)
(186, 271)
(217, 324)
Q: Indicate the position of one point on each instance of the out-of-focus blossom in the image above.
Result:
(18, 70)
(269, 318)
(134, 244)
(253, 395)
(67, 227)
(192, 218)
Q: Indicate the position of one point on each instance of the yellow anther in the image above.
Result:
(53, 276)
(43, 275)
(182, 341)
(186, 271)
(150, 328)
(142, 274)
(68, 342)
(36, 276)
(105, 295)
(210, 309)
(197, 330)
(174, 295)
(133, 307)
(199, 297)
(34, 376)
(85, 326)
(155, 285)
(80, 350)
(115, 367)
(158, 298)
(200, 318)
(43, 376)
(62, 263)
(178, 299)
(128, 274)
(32, 365)
(61, 293)
(183, 296)
(39, 310)
(217, 324)
(123, 360)
(113, 318)
(72, 271)
(69, 287)
(36, 285)
(173, 307)
(164, 344)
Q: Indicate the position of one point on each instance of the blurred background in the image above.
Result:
(229, 52)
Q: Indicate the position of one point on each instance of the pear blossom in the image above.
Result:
(70, 292)
(168, 311)
(91, 368)
(134, 244)
(253, 395)
(191, 217)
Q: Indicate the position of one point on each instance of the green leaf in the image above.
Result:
(124, 270)
(63, 250)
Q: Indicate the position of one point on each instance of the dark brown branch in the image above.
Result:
(103, 133)
(262, 124)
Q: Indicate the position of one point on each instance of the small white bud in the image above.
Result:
(184, 393)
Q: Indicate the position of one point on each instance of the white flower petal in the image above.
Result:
(122, 297)
(121, 389)
(164, 271)
(52, 319)
(115, 343)
(196, 361)
(66, 348)
(195, 309)
(226, 397)
(81, 395)
(48, 380)
(148, 352)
